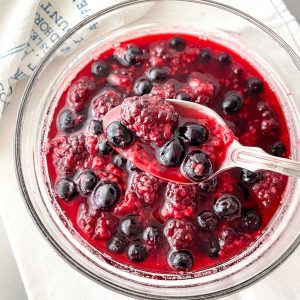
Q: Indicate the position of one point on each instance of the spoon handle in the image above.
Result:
(254, 159)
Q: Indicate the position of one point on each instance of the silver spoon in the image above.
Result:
(250, 158)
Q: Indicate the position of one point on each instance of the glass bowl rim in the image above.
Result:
(17, 149)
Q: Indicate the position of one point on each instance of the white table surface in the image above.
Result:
(11, 286)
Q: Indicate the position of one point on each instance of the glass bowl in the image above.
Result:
(271, 55)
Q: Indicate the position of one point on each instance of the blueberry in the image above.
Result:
(194, 134)
(142, 86)
(232, 102)
(131, 228)
(117, 244)
(255, 86)
(157, 74)
(132, 167)
(183, 96)
(66, 121)
(251, 221)
(133, 55)
(100, 68)
(197, 166)
(119, 161)
(104, 147)
(137, 252)
(96, 127)
(204, 56)
(177, 43)
(211, 246)
(181, 260)
(86, 182)
(172, 153)
(151, 236)
(278, 149)
(106, 195)
(224, 59)
(249, 177)
(65, 189)
(208, 185)
(207, 221)
(228, 207)
(119, 135)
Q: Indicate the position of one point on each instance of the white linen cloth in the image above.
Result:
(45, 275)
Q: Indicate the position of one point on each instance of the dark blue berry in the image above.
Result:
(131, 228)
(211, 247)
(119, 135)
(137, 252)
(66, 121)
(96, 127)
(208, 185)
(151, 236)
(157, 74)
(100, 68)
(197, 166)
(172, 153)
(106, 195)
(86, 182)
(278, 149)
(207, 220)
(204, 56)
(65, 189)
(194, 134)
(228, 207)
(117, 244)
(249, 177)
(119, 161)
(142, 86)
(251, 221)
(224, 59)
(104, 147)
(177, 43)
(181, 260)
(133, 55)
(183, 96)
(232, 102)
(255, 86)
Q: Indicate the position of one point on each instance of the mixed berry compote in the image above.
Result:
(140, 220)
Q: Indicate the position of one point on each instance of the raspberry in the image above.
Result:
(180, 233)
(112, 169)
(166, 90)
(121, 78)
(105, 100)
(79, 93)
(98, 163)
(151, 118)
(146, 186)
(270, 127)
(86, 219)
(91, 142)
(106, 226)
(267, 190)
(180, 201)
(130, 204)
(160, 55)
(70, 153)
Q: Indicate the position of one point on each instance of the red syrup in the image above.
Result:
(151, 218)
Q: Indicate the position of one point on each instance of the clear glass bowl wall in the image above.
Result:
(224, 24)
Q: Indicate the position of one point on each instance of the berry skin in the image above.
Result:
(249, 177)
(232, 103)
(251, 221)
(157, 74)
(68, 122)
(79, 93)
(129, 55)
(255, 86)
(207, 221)
(131, 228)
(228, 207)
(130, 204)
(106, 195)
(146, 186)
(96, 127)
(181, 260)
(209, 185)
(106, 226)
(278, 149)
(205, 56)
(151, 118)
(100, 68)
(65, 189)
(119, 135)
(180, 233)
(177, 43)
(194, 134)
(172, 153)
(224, 59)
(151, 236)
(119, 161)
(197, 166)
(104, 147)
(211, 247)
(117, 244)
(137, 253)
(183, 96)
(86, 182)
(142, 86)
